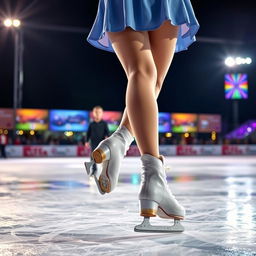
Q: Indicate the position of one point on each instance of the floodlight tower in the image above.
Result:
(15, 25)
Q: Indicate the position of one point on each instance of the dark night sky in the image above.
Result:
(63, 71)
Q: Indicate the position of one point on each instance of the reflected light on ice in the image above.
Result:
(240, 207)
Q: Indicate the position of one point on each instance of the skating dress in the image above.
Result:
(141, 15)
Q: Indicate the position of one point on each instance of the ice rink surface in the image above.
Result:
(50, 207)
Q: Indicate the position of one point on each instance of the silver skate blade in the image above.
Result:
(88, 167)
(145, 226)
(94, 174)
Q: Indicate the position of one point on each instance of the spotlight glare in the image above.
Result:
(233, 61)
(16, 23)
(8, 22)
(230, 62)
(248, 60)
(239, 60)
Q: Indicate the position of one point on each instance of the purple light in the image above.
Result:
(242, 131)
(249, 129)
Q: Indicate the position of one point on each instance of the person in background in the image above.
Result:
(3, 143)
(97, 130)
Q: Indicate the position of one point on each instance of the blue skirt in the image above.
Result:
(142, 15)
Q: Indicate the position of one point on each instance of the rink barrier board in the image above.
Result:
(166, 150)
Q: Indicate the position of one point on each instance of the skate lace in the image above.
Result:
(167, 167)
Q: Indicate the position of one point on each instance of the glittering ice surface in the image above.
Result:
(50, 207)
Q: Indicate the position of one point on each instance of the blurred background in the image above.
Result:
(51, 77)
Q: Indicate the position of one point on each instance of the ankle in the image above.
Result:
(129, 129)
(125, 133)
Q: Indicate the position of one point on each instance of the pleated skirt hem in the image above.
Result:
(186, 36)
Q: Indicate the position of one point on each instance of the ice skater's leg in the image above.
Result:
(162, 41)
(134, 52)
(155, 197)
(162, 64)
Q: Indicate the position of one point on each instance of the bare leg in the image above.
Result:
(163, 42)
(133, 51)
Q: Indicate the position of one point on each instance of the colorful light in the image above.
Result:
(184, 122)
(213, 135)
(69, 133)
(236, 86)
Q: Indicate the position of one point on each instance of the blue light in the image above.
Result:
(135, 179)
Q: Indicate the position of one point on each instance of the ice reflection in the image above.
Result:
(240, 207)
(135, 179)
(42, 184)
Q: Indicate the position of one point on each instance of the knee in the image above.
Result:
(144, 72)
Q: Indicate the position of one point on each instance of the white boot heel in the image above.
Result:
(148, 208)
(101, 153)
(156, 198)
(109, 154)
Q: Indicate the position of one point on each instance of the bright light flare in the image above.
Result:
(8, 22)
(12, 23)
(16, 23)
(231, 61)
(248, 60)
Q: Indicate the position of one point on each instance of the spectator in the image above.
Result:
(3, 143)
(97, 130)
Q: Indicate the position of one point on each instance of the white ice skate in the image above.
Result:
(156, 198)
(109, 152)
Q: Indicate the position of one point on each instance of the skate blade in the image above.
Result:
(88, 167)
(145, 226)
(92, 173)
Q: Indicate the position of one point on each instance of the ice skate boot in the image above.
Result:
(156, 198)
(110, 153)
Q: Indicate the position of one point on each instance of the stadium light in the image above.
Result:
(12, 23)
(18, 66)
(7, 23)
(16, 23)
(233, 61)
